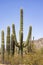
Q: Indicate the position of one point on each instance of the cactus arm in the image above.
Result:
(29, 37)
(14, 35)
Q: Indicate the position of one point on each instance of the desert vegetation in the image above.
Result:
(22, 52)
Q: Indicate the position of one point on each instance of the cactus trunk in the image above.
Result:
(21, 42)
(21, 31)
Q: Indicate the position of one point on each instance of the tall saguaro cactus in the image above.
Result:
(8, 41)
(2, 46)
(21, 46)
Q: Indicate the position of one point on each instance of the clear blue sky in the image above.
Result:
(33, 15)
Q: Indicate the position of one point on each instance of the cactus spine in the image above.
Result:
(8, 41)
(2, 46)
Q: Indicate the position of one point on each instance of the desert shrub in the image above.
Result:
(28, 59)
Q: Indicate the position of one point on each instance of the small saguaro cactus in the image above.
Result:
(8, 41)
(2, 46)
(12, 46)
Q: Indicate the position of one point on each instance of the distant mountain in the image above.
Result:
(38, 43)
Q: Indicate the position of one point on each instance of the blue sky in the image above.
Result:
(33, 15)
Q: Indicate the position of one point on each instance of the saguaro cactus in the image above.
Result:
(2, 46)
(8, 41)
(21, 46)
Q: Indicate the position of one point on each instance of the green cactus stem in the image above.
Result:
(21, 19)
(21, 42)
(8, 41)
(29, 39)
(2, 46)
(29, 36)
(14, 33)
(12, 46)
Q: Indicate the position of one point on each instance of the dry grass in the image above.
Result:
(28, 59)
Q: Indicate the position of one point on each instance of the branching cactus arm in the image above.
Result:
(14, 35)
(29, 36)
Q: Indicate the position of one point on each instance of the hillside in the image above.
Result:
(38, 43)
